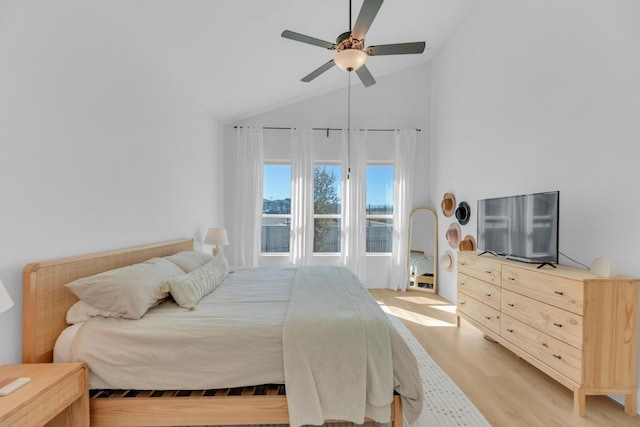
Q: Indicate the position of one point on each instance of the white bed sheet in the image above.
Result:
(251, 345)
(62, 348)
(421, 265)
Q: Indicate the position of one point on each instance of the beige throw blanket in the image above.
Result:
(336, 349)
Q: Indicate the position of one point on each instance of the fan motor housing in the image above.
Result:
(346, 41)
(343, 37)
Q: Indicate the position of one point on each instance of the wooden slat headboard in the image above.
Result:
(46, 300)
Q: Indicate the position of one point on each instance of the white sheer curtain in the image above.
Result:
(248, 222)
(354, 224)
(301, 197)
(404, 150)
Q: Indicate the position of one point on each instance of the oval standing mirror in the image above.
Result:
(423, 249)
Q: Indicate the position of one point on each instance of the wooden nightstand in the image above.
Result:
(57, 394)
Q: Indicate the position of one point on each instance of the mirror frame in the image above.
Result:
(435, 249)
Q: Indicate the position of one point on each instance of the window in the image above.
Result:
(327, 220)
(276, 208)
(379, 208)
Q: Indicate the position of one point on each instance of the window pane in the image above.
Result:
(379, 234)
(326, 189)
(379, 199)
(276, 191)
(326, 235)
(276, 208)
(276, 234)
(326, 201)
(379, 195)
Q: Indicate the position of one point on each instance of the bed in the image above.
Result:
(421, 270)
(46, 301)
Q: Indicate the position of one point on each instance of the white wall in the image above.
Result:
(398, 101)
(99, 149)
(540, 95)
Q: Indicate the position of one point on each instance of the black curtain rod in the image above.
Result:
(325, 129)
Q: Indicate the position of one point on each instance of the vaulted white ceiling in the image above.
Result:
(229, 53)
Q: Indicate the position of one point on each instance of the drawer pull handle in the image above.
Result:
(463, 302)
(463, 263)
(511, 305)
(488, 295)
(511, 278)
(487, 317)
(544, 344)
(462, 283)
(510, 330)
(488, 271)
(558, 293)
(557, 356)
(559, 325)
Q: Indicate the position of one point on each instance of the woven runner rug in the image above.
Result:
(445, 405)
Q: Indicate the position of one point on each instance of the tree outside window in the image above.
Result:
(327, 218)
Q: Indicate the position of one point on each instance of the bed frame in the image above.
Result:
(45, 304)
(417, 280)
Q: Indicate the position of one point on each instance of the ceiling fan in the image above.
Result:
(352, 54)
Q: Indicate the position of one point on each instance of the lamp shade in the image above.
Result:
(217, 236)
(5, 300)
(350, 59)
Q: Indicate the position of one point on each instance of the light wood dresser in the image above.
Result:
(578, 328)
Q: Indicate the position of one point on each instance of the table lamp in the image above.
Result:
(5, 300)
(218, 238)
(7, 385)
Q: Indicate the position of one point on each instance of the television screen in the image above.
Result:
(524, 228)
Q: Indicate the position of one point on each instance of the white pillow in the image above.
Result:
(128, 291)
(189, 260)
(81, 312)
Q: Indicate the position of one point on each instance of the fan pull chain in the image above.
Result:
(349, 125)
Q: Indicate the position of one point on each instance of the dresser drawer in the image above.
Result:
(562, 357)
(560, 324)
(480, 290)
(480, 268)
(558, 291)
(481, 313)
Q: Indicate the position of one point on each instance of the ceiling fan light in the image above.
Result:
(350, 59)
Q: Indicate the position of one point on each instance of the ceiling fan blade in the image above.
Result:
(307, 39)
(365, 76)
(315, 73)
(368, 12)
(396, 49)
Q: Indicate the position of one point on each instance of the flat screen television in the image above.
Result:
(523, 228)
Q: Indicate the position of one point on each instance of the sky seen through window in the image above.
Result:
(277, 183)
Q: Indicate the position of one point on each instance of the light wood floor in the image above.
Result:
(506, 389)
